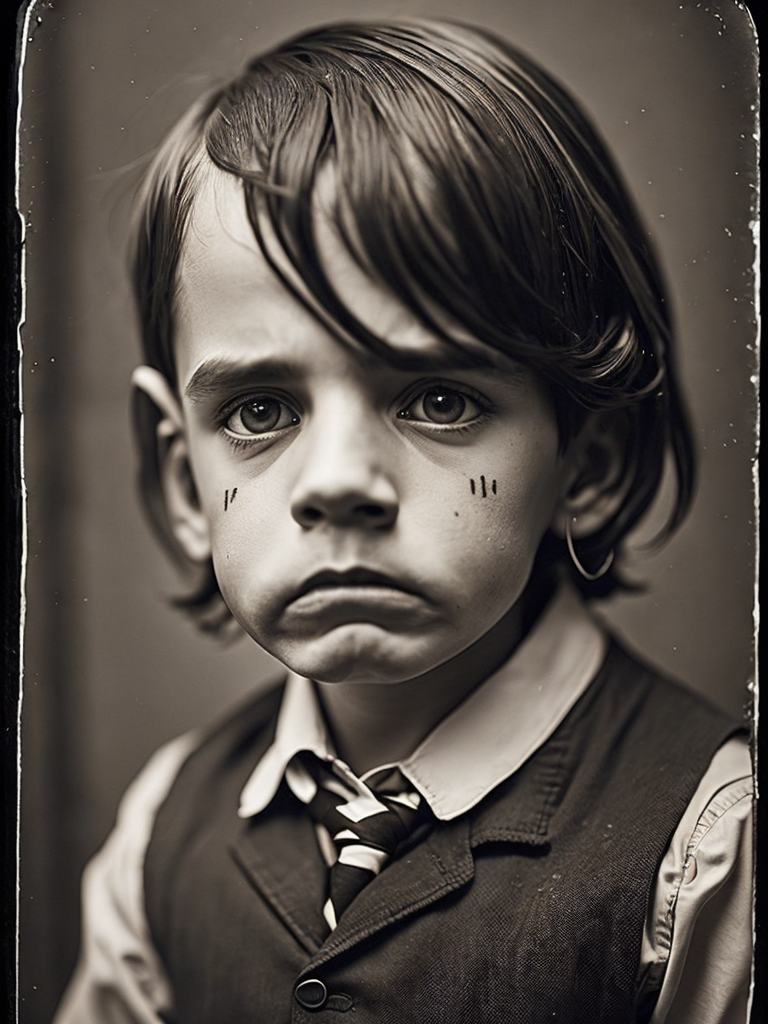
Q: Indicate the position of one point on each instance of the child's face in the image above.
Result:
(365, 523)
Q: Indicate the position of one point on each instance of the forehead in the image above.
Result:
(228, 295)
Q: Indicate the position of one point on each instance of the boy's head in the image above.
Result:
(368, 211)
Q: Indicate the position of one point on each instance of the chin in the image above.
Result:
(353, 654)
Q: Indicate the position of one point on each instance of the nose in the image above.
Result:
(342, 481)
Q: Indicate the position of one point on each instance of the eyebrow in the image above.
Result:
(214, 376)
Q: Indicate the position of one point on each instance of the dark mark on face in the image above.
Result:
(484, 487)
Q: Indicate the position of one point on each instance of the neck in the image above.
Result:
(374, 724)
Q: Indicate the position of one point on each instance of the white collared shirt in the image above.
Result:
(512, 717)
(698, 932)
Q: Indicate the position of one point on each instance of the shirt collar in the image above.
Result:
(507, 718)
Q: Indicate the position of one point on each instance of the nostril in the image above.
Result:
(311, 515)
(347, 507)
(371, 511)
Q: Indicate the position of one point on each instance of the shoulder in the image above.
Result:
(718, 811)
(237, 731)
(152, 786)
(118, 960)
(643, 687)
(698, 934)
(209, 779)
(641, 731)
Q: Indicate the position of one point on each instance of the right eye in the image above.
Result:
(260, 415)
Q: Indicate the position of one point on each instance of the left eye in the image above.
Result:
(260, 415)
(442, 406)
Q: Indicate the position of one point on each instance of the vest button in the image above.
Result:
(311, 994)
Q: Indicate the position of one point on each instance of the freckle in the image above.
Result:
(456, 514)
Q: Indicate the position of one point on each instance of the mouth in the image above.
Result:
(351, 579)
(332, 598)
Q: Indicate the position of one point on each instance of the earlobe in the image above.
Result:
(187, 520)
(596, 482)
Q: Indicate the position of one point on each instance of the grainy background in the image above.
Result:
(110, 671)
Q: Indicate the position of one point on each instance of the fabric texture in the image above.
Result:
(531, 905)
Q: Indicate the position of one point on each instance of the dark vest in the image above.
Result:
(528, 909)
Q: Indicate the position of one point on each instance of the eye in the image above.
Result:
(442, 406)
(260, 414)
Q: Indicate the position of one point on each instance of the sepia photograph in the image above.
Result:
(389, 403)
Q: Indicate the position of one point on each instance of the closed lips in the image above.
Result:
(351, 578)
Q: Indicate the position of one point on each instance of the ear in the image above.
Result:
(596, 482)
(186, 518)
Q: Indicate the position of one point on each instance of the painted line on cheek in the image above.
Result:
(483, 487)
(234, 492)
(226, 500)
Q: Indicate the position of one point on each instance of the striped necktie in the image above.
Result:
(366, 827)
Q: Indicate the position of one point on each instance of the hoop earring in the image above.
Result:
(591, 576)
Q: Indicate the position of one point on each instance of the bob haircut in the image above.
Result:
(469, 184)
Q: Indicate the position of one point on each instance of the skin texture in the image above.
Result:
(343, 464)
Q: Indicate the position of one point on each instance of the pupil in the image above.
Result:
(444, 406)
(260, 416)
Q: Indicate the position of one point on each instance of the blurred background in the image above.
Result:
(111, 670)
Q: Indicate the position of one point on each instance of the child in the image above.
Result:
(409, 385)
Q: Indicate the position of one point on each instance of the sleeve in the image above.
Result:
(119, 978)
(697, 947)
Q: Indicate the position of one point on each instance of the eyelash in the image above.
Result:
(423, 390)
(241, 441)
(467, 394)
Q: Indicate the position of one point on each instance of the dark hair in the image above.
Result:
(474, 188)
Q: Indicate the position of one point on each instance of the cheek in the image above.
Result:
(242, 516)
(518, 493)
(234, 491)
(503, 513)
(242, 525)
(483, 486)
